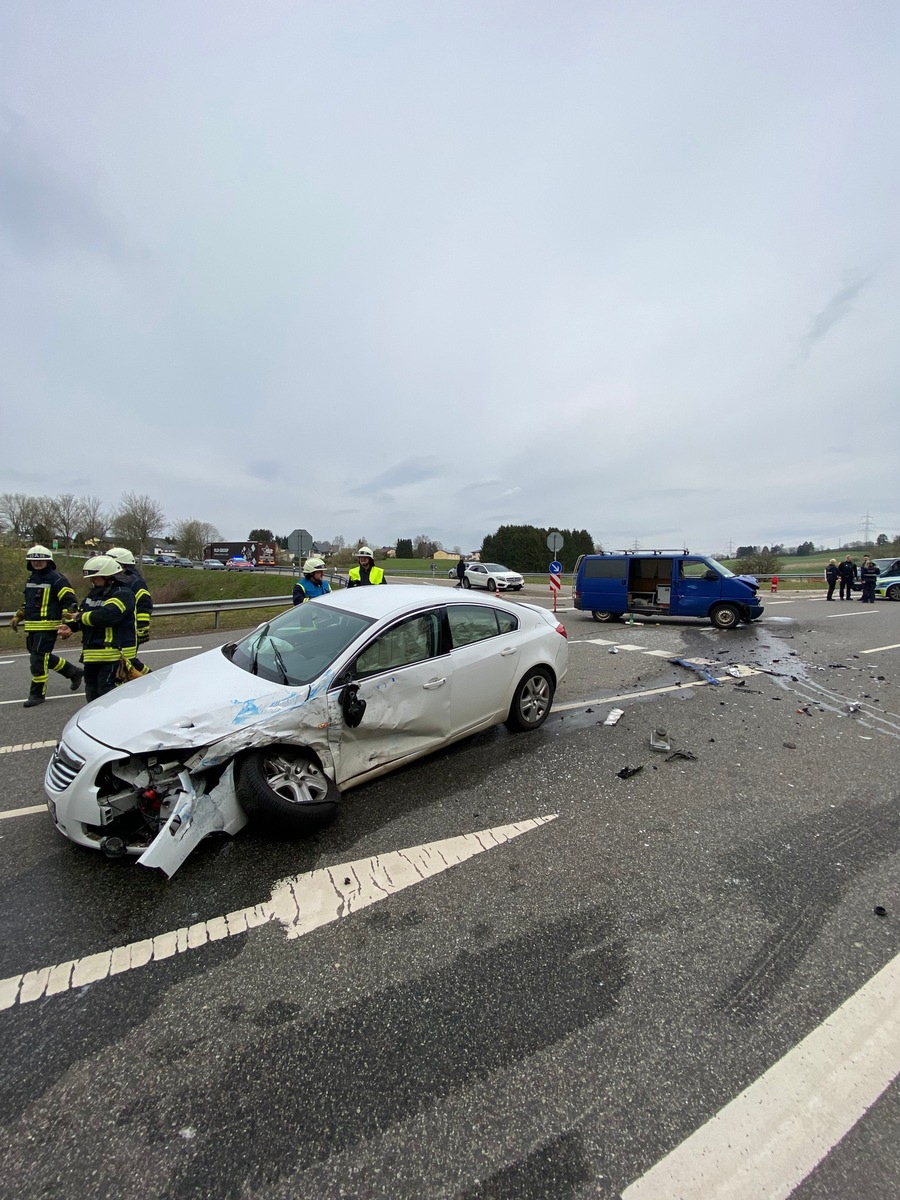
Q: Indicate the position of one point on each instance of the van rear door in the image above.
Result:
(603, 583)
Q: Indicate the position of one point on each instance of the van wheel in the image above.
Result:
(605, 616)
(725, 616)
(285, 786)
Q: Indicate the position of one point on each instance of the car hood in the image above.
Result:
(192, 703)
(749, 580)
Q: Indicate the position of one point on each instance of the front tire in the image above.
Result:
(604, 617)
(893, 592)
(725, 616)
(286, 787)
(531, 703)
(467, 583)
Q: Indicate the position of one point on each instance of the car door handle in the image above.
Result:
(433, 683)
(508, 650)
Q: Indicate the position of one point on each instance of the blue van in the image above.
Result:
(672, 583)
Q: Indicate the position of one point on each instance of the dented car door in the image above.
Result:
(393, 701)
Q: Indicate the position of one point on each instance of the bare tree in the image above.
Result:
(67, 514)
(137, 521)
(337, 543)
(194, 536)
(94, 519)
(21, 514)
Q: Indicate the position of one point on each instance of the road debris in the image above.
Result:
(612, 650)
(879, 910)
(627, 772)
(692, 666)
(682, 754)
(789, 745)
(614, 715)
(659, 740)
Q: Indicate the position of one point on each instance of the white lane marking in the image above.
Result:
(22, 812)
(837, 616)
(65, 696)
(878, 649)
(300, 904)
(26, 746)
(145, 650)
(4, 662)
(675, 687)
(768, 1139)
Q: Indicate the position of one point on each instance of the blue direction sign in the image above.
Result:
(556, 568)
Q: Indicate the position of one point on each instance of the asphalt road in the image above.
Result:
(683, 963)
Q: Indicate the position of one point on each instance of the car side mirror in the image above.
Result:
(351, 705)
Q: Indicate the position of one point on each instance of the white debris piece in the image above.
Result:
(614, 715)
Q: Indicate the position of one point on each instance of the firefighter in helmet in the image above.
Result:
(47, 596)
(143, 601)
(366, 571)
(106, 623)
(313, 583)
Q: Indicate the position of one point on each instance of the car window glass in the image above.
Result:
(694, 568)
(507, 622)
(410, 641)
(301, 643)
(471, 623)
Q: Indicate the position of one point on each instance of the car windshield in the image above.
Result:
(297, 646)
(717, 566)
(497, 567)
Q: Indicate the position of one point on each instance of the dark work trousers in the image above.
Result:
(99, 678)
(830, 595)
(848, 584)
(40, 651)
(868, 591)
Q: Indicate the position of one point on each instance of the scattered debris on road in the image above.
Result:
(627, 772)
(614, 715)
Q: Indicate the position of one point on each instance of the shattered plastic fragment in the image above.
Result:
(659, 740)
(614, 715)
(612, 650)
(683, 754)
(701, 670)
(627, 772)
(879, 910)
(789, 745)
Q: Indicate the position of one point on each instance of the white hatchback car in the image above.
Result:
(326, 696)
(493, 577)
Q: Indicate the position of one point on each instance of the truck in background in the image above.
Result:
(261, 554)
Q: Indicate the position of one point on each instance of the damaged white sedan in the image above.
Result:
(324, 697)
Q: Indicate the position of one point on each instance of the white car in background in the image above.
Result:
(492, 576)
(322, 698)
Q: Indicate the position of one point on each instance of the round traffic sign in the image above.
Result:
(556, 568)
(555, 541)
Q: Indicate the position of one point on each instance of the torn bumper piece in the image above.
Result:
(194, 816)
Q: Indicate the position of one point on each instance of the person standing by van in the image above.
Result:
(847, 572)
(831, 578)
(868, 574)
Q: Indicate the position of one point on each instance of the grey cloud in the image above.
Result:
(837, 307)
(42, 210)
(411, 470)
(267, 469)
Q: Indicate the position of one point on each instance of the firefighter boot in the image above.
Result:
(35, 696)
(74, 675)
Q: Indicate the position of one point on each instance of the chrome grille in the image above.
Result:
(64, 766)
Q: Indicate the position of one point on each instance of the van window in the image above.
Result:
(694, 568)
(604, 568)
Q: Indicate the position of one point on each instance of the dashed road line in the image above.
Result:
(878, 649)
(773, 1135)
(27, 746)
(300, 904)
(23, 812)
(65, 696)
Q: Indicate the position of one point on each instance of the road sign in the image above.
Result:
(555, 583)
(556, 567)
(554, 541)
(300, 542)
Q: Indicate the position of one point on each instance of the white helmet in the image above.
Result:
(364, 552)
(38, 553)
(101, 564)
(122, 554)
(313, 564)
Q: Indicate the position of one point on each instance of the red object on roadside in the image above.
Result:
(774, 587)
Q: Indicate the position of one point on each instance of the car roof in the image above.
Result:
(387, 599)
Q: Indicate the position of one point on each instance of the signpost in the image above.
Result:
(300, 543)
(555, 581)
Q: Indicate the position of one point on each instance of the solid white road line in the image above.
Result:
(878, 649)
(300, 904)
(22, 812)
(777, 1131)
(64, 696)
(675, 687)
(837, 616)
(26, 746)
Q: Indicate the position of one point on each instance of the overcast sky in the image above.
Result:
(432, 266)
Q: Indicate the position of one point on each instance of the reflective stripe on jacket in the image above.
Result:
(305, 589)
(373, 575)
(47, 593)
(143, 601)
